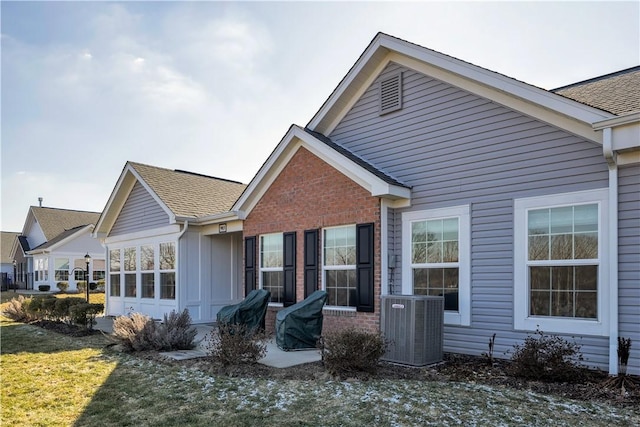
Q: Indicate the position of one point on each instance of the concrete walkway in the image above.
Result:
(275, 357)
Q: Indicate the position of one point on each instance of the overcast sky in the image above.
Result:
(211, 87)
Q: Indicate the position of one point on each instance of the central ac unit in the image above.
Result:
(413, 325)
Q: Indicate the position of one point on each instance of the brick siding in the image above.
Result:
(311, 194)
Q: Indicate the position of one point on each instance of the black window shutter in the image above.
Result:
(310, 262)
(364, 267)
(289, 267)
(249, 264)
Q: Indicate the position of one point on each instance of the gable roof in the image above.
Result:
(182, 195)
(355, 168)
(54, 222)
(618, 93)
(546, 106)
(7, 240)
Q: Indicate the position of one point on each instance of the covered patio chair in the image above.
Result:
(299, 326)
(250, 312)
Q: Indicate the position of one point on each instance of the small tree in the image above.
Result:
(62, 286)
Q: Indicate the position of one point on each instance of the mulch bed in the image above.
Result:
(592, 385)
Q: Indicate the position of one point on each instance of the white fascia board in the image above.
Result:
(210, 219)
(530, 100)
(624, 120)
(295, 138)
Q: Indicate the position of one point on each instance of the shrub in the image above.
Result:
(84, 314)
(17, 309)
(178, 331)
(37, 306)
(350, 350)
(546, 358)
(81, 286)
(235, 344)
(44, 288)
(62, 286)
(62, 308)
(138, 332)
(48, 308)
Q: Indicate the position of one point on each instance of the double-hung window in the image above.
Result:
(114, 273)
(147, 274)
(339, 265)
(130, 272)
(167, 257)
(560, 263)
(436, 260)
(272, 265)
(61, 269)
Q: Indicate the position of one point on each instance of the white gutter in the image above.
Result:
(178, 269)
(610, 157)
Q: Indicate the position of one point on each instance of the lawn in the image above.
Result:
(50, 379)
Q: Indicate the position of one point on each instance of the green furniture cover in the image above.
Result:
(299, 326)
(250, 311)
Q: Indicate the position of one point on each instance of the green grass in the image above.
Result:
(56, 380)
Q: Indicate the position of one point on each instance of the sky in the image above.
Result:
(212, 87)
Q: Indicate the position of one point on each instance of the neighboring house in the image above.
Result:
(7, 239)
(169, 243)
(425, 174)
(52, 248)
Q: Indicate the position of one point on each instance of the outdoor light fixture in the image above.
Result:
(87, 259)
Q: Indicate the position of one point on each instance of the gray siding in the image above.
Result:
(629, 260)
(140, 212)
(456, 148)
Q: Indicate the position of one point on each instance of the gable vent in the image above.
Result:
(391, 94)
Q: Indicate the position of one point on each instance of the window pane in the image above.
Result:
(586, 277)
(419, 232)
(273, 281)
(538, 222)
(540, 278)
(586, 246)
(450, 229)
(562, 304)
(540, 303)
(130, 259)
(562, 220)
(168, 284)
(562, 246)
(98, 274)
(434, 252)
(271, 252)
(167, 256)
(146, 257)
(585, 218)
(341, 287)
(450, 252)
(339, 246)
(61, 275)
(587, 305)
(62, 264)
(438, 282)
(562, 278)
(114, 285)
(114, 260)
(130, 285)
(148, 287)
(434, 231)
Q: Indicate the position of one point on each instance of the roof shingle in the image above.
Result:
(6, 244)
(54, 222)
(617, 93)
(188, 194)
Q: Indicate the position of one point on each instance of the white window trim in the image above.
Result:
(521, 318)
(334, 268)
(262, 269)
(463, 316)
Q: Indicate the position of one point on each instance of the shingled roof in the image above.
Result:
(617, 93)
(6, 244)
(54, 222)
(189, 194)
(60, 237)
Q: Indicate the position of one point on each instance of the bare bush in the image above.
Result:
(18, 309)
(235, 344)
(139, 332)
(351, 350)
(546, 358)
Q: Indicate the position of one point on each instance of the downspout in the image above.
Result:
(610, 157)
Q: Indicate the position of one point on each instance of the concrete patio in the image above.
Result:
(275, 357)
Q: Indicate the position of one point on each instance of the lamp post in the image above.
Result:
(87, 259)
(15, 277)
